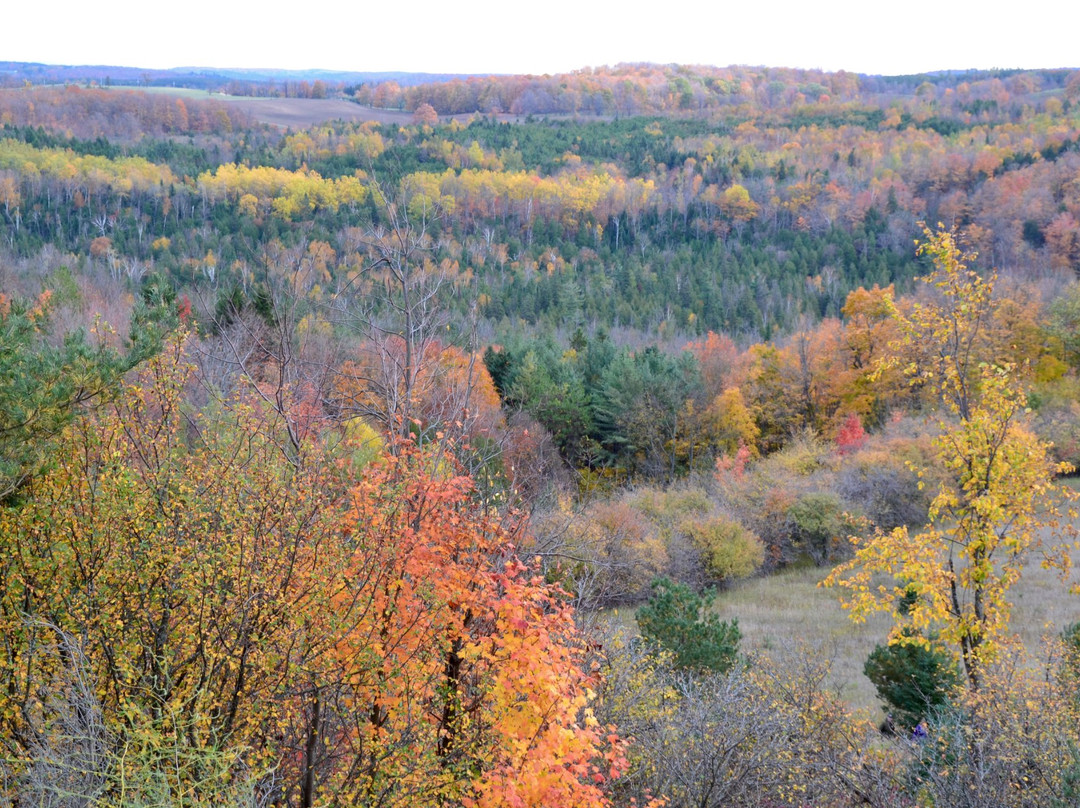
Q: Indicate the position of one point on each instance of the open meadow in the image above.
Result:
(789, 613)
(790, 610)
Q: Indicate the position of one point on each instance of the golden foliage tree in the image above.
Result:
(999, 494)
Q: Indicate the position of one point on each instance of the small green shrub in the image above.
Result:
(682, 622)
(911, 679)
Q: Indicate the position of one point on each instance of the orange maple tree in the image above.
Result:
(370, 641)
(478, 691)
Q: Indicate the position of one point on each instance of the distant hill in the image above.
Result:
(204, 78)
(334, 76)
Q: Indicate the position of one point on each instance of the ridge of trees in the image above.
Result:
(637, 89)
(121, 114)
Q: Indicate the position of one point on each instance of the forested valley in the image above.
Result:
(416, 462)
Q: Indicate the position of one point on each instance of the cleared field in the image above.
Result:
(789, 613)
(179, 92)
(298, 113)
(790, 608)
(288, 113)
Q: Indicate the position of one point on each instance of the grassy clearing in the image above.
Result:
(788, 609)
(791, 605)
(179, 92)
(300, 113)
(788, 612)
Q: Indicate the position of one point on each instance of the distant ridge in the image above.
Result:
(204, 78)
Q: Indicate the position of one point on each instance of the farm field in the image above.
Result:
(289, 113)
(298, 113)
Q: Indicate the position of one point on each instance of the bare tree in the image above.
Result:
(393, 303)
(70, 751)
(289, 370)
(414, 373)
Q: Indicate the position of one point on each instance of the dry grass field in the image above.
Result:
(300, 113)
(776, 611)
(789, 613)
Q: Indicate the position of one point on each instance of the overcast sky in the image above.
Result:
(495, 36)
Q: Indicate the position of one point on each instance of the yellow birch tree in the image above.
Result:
(999, 496)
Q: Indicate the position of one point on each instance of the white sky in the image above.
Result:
(549, 36)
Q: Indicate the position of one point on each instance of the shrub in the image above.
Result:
(668, 512)
(672, 505)
(761, 498)
(629, 548)
(880, 483)
(607, 553)
(1059, 423)
(768, 734)
(818, 525)
(682, 622)
(851, 436)
(363, 444)
(1013, 743)
(1070, 658)
(804, 456)
(913, 680)
(534, 469)
(729, 550)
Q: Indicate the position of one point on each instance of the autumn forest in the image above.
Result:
(415, 451)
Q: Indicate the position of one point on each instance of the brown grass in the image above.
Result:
(788, 609)
(300, 113)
